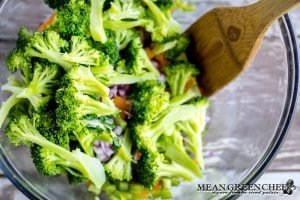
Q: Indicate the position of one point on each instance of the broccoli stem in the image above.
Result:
(88, 166)
(6, 106)
(126, 79)
(96, 21)
(173, 170)
(123, 25)
(158, 15)
(181, 99)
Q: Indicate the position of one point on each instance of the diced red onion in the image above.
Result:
(113, 91)
(122, 93)
(162, 78)
(128, 114)
(103, 150)
(155, 63)
(118, 130)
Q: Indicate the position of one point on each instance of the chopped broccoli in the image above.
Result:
(193, 129)
(82, 53)
(110, 47)
(124, 10)
(110, 76)
(48, 45)
(96, 21)
(180, 48)
(77, 100)
(40, 89)
(22, 131)
(173, 148)
(119, 166)
(178, 75)
(124, 37)
(148, 100)
(72, 18)
(165, 28)
(45, 123)
(137, 59)
(16, 59)
(153, 166)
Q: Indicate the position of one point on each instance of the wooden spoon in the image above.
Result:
(225, 40)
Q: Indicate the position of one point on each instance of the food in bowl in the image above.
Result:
(104, 93)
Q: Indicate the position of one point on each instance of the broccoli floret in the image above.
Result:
(146, 135)
(148, 100)
(183, 5)
(137, 59)
(173, 148)
(55, 4)
(16, 59)
(110, 47)
(178, 75)
(22, 131)
(72, 18)
(48, 45)
(45, 123)
(119, 166)
(82, 53)
(40, 89)
(152, 167)
(121, 75)
(96, 21)
(125, 10)
(165, 28)
(124, 37)
(77, 100)
(193, 129)
(180, 48)
(165, 4)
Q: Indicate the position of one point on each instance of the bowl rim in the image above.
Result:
(291, 43)
(292, 53)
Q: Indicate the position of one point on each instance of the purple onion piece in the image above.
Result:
(113, 91)
(103, 150)
(162, 78)
(118, 130)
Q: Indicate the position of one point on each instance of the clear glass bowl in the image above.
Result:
(248, 120)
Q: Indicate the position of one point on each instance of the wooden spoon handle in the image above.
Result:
(265, 12)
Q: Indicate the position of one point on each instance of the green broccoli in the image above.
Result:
(193, 129)
(16, 58)
(110, 47)
(22, 131)
(124, 37)
(72, 18)
(119, 166)
(178, 75)
(96, 21)
(120, 75)
(180, 48)
(153, 167)
(77, 100)
(137, 59)
(38, 91)
(48, 45)
(149, 99)
(45, 123)
(165, 28)
(82, 53)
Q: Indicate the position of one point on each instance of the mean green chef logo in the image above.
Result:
(249, 189)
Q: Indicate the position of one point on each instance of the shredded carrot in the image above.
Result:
(47, 23)
(190, 84)
(157, 186)
(162, 60)
(137, 155)
(121, 103)
(149, 53)
(123, 115)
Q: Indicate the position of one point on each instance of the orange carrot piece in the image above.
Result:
(162, 60)
(121, 103)
(138, 155)
(149, 53)
(157, 186)
(47, 23)
(190, 84)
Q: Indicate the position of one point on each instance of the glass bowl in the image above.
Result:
(246, 125)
